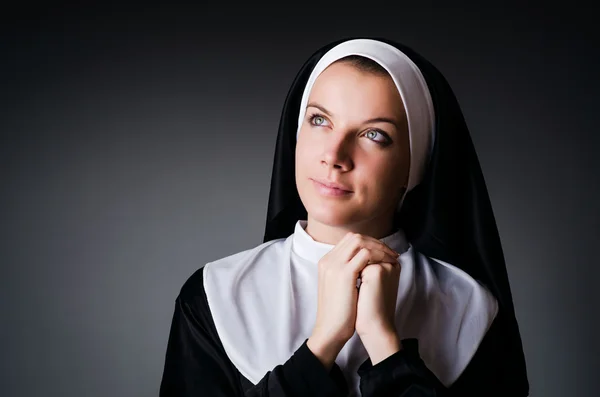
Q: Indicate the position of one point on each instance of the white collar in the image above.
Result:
(306, 247)
(263, 302)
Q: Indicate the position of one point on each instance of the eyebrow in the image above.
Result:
(374, 120)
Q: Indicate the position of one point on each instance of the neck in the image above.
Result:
(331, 234)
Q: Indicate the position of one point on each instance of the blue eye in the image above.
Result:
(372, 133)
(317, 120)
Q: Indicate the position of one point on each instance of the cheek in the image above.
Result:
(305, 154)
(384, 178)
(304, 163)
(301, 160)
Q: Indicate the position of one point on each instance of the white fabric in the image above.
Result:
(412, 87)
(264, 302)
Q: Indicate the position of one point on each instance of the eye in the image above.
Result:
(371, 134)
(317, 120)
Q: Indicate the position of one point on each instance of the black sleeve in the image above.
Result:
(496, 370)
(196, 363)
(403, 374)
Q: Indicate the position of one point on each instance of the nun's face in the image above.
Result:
(354, 135)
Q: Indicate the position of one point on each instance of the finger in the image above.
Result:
(371, 272)
(382, 268)
(358, 241)
(363, 259)
(378, 256)
(342, 243)
(339, 247)
(383, 257)
(359, 261)
(388, 267)
(372, 241)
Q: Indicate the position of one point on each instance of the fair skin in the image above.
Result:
(355, 133)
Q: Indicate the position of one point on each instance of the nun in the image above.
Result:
(381, 271)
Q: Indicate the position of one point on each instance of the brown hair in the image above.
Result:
(364, 64)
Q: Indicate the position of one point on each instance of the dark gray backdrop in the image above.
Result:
(137, 145)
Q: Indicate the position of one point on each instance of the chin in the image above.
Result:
(334, 214)
(331, 211)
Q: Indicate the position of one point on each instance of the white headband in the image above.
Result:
(413, 91)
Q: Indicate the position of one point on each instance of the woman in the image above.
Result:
(381, 272)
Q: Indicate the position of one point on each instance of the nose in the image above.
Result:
(336, 153)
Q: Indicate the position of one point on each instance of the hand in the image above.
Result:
(376, 309)
(337, 293)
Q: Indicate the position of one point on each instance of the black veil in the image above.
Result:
(447, 216)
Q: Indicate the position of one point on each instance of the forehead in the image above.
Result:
(346, 90)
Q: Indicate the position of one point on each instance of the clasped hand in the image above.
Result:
(343, 308)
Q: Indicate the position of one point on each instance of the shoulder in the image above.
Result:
(497, 368)
(194, 286)
(454, 281)
(452, 300)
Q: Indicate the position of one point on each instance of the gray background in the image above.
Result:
(136, 145)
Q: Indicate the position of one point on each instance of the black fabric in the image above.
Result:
(447, 216)
(401, 374)
(196, 365)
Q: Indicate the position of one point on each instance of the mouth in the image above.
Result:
(330, 189)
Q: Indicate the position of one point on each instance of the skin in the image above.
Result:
(344, 138)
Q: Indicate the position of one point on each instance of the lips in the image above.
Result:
(331, 192)
(333, 185)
